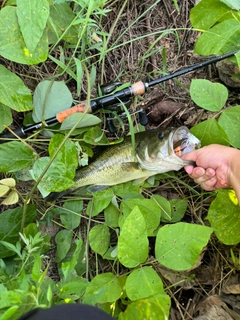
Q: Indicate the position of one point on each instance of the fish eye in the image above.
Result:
(161, 136)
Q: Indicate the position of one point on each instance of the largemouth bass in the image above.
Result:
(156, 151)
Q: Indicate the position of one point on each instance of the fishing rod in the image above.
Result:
(111, 101)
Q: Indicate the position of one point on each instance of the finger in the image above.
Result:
(198, 172)
(208, 185)
(189, 169)
(190, 156)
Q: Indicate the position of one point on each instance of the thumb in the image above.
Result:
(193, 155)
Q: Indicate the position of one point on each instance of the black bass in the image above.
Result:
(156, 151)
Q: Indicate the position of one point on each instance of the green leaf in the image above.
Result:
(67, 155)
(95, 136)
(73, 289)
(209, 132)
(220, 39)
(143, 283)
(5, 116)
(56, 177)
(206, 13)
(208, 95)
(71, 214)
(178, 209)
(37, 266)
(133, 241)
(8, 314)
(10, 226)
(32, 18)
(233, 4)
(223, 216)
(101, 200)
(59, 23)
(103, 288)
(63, 241)
(179, 245)
(84, 120)
(229, 121)
(144, 309)
(67, 267)
(13, 92)
(165, 207)
(50, 97)
(9, 298)
(149, 209)
(99, 239)
(15, 156)
(111, 215)
(12, 45)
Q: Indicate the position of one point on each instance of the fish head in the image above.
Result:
(160, 150)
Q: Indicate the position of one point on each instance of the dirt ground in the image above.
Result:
(211, 290)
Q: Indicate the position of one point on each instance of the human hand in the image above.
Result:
(213, 166)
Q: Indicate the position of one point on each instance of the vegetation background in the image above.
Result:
(162, 249)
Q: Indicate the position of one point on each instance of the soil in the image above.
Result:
(211, 289)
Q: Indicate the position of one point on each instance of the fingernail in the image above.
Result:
(199, 172)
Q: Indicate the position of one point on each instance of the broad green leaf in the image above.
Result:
(149, 209)
(9, 313)
(133, 241)
(143, 283)
(13, 92)
(50, 97)
(209, 132)
(178, 209)
(56, 177)
(99, 239)
(101, 200)
(223, 216)
(71, 214)
(127, 190)
(32, 18)
(67, 267)
(103, 288)
(179, 245)
(237, 55)
(208, 95)
(67, 155)
(111, 215)
(73, 289)
(165, 207)
(233, 4)
(206, 13)
(144, 309)
(59, 23)
(15, 156)
(12, 45)
(37, 266)
(63, 241)
(5, 115)
(10, 226)
(95, 136)
(229, 121)
(220, 39)
(9, 298)
(83, 120)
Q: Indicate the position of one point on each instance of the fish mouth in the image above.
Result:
(182, 141)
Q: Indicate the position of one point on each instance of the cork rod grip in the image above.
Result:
(138, 88)
(81, 107)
